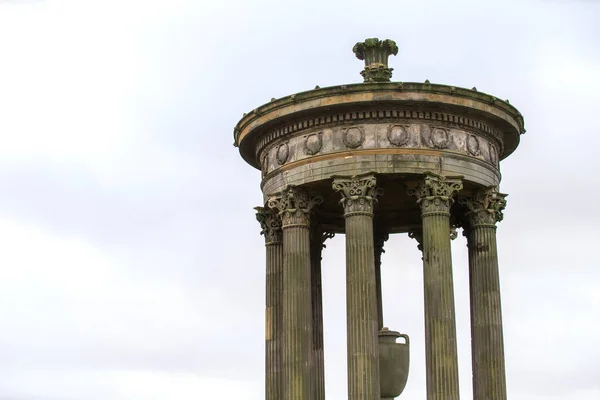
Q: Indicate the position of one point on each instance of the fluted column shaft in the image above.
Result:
(487, 343)
(317, 239)
(380, 239)
(361, 296)
(294, 206)
(271, 229)
(434, 196)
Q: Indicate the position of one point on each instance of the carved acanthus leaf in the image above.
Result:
(270, 224)
(358, 193)
(294, 206)
(485, 207)
(434, 193)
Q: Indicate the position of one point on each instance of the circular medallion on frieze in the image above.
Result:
(283, 152)
(354, 137)
(439, 138)
(265, 163)
(493, 154)
(397, 135)
(313, 143)
(473, 145)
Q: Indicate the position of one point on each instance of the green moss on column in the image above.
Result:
(318, 236)
(271, 229)
(380, 239)
(434, 195)
(358, 197)
(487, 343)
(294, 206)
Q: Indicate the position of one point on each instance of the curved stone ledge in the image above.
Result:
(397, 161)
(473, 109)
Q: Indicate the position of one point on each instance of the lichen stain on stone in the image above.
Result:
(482, 247)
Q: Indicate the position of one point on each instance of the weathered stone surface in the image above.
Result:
(487, 344)
(317, 239)
(294, 206)
(401, 132)
(271, 228)
(358, 197)
(394, 358)
(434, 195)
(375, 52)
(439, 104)
(381, 146)
(373, 133)
(380, 238)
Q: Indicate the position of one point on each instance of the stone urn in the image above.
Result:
(393, 363)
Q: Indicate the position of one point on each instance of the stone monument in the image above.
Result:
(369, 160)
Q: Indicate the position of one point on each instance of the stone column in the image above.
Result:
(318, 237)
(271, 228)
(487, 344)
(294, 206)
(380, 238)
(434, 195)
(358, 195)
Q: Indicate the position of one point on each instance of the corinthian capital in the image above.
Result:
(485, 207)
(358, 193)
(434, 193)
(294, 206)
(270, 223)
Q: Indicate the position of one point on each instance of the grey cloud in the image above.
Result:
(190, 229)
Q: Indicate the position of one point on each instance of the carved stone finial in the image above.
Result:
(294, 205)
(485, 207)
(434, 193)
(375, 52)
(270, 224)
(358, 193)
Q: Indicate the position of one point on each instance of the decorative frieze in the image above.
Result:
(354, 137)
(398, 135)
(377, 136)
(313, 143)
(436, 138)
(390, 116)
(493, 151)
(283, 152)
(473, 145)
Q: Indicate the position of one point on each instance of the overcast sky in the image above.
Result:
(131, 265)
